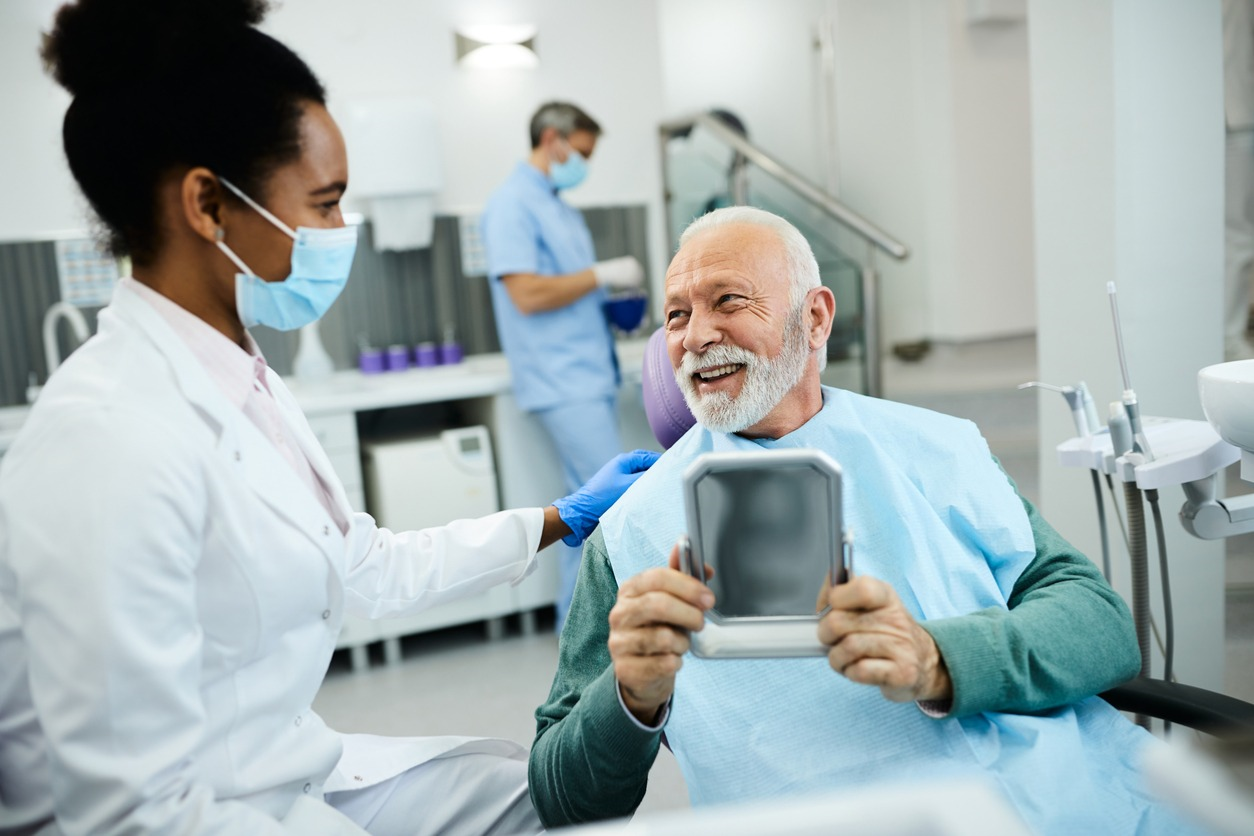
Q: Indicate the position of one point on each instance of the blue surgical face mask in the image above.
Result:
(321, 260)
(569, 174)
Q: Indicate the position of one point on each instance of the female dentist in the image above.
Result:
(176, 554)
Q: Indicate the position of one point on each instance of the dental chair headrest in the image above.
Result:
(668, 413)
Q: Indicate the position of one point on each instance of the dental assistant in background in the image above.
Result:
(547, 289)
(176, 553)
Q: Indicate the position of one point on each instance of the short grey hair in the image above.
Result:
(803, 268)
(564, 116)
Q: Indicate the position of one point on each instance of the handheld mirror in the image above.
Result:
(769, 523)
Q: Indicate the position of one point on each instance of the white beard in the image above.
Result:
(766, 383)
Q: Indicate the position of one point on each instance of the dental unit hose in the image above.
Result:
(1140, 579)
(1169, 652)
(1165, 579)
(1121, 443)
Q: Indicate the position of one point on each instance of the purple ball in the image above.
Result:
(664, 405)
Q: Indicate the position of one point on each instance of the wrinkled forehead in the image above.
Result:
(736, 254)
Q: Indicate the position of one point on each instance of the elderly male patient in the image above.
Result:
(972, 639)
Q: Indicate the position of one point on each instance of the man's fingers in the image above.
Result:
(855, 647)
(838, 624)
(648, 641)
(655, 608)
(892, 681)
(671, 581)
(640, 675)
(859, 646)
(861, 593)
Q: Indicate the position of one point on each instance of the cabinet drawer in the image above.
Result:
(335, 432)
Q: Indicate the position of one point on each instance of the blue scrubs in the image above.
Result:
(562, 361)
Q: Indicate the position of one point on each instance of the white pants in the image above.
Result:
(456, 793)
(1238, 234)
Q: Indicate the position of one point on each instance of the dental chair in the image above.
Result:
(1195, 708)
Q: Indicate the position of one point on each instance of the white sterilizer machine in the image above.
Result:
(421, 482)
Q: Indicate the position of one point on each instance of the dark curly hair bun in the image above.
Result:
(97, 43)
(160, 85)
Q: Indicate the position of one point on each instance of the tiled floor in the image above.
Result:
(457, 682)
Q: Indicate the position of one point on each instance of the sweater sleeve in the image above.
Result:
(589, 760)
(1066, 635)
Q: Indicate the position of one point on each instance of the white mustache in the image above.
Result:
(719, 355)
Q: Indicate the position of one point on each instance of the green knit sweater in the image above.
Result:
(1067, 635)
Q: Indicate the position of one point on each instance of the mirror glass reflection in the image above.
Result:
(770, 537)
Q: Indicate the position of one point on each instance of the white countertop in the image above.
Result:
(478, 376)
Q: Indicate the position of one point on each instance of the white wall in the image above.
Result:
(934, 140)
(600, 54)
(40, 196)
(885, 161)
(751, 57)
(993, 266)
(1127, 119)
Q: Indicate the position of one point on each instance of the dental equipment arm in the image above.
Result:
(1206, 516)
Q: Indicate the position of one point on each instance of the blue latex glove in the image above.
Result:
(583, 508)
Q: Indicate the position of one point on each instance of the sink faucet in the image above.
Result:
(78, 323)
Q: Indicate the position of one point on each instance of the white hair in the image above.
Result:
(803, 269)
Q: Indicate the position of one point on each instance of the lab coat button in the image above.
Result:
(326, 614)
(298, 721)
(237, 455)
(308, 787)
(326, 531)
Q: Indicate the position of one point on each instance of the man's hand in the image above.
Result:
(649, 628)
(875, 641)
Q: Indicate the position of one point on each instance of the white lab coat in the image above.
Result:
(171, 593)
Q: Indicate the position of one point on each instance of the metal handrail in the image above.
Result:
(838, 211)
(874, 237)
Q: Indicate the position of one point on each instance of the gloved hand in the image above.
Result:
(583, 509)
(622, 273)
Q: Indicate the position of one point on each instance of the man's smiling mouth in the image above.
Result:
(719, 372)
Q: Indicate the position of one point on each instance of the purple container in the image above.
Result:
(370, 361)
(425, 355)
(397, 358)
(450, 353)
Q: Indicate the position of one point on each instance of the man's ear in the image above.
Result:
(202, 201)
(548, 136)
(820, 313)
